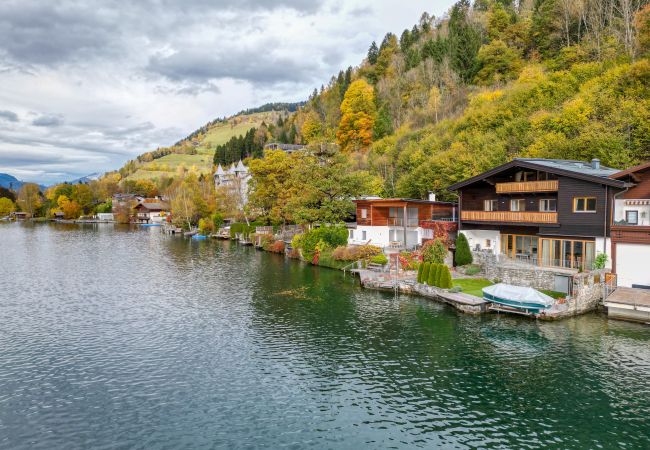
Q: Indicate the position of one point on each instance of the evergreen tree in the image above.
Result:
(464, 42)
(445, 278)
(425, 272)
(463, 254)
(420, 269)
(373, 53)
(433, 275)
(383, 123)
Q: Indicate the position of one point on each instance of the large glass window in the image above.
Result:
(412, 214)
(568, 253)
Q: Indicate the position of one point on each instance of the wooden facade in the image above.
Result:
(527, 186)
(377, 212)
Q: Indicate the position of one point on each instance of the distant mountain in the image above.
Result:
(10, 182)
(86, 179)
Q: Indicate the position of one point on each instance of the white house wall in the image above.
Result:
(632, 264)
(605, 245)
(620, 209)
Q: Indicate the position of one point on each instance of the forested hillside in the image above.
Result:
(456, 95)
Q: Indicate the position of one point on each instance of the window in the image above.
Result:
(488, 243)
(364, 213)
(490, 205)
(584, 204)
(363, 235)
(632, 217)
(351, 234)
(518, 204)
(548, 205)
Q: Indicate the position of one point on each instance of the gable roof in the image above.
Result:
(574, 169)
(631, 171)
(401, 199)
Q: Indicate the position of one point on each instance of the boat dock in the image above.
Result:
(629, 304)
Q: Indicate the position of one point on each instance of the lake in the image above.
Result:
(118, 337)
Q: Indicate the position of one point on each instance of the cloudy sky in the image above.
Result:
(87, 84)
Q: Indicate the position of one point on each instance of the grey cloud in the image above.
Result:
(48, 121)
(243, 64)
(9, 116)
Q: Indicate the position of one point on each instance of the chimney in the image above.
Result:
(432, 196)
(595, 163)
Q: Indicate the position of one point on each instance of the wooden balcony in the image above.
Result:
(631, 234)
(509, 216)
(527, 186)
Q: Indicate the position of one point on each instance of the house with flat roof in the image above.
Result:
(541, 212)
(400, 223)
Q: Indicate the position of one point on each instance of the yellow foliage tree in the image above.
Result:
(358, 112)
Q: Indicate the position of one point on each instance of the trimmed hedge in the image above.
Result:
(433, 274)
(420, 268)
(425, 272)
(445, 278)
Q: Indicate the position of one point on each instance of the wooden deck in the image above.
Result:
(629, 304)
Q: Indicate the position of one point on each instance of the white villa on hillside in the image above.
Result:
(236, 178)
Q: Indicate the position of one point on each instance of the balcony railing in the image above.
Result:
(510, 216)
(399, 222)
(527, 186)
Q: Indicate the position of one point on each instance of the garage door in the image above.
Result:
(633, 264)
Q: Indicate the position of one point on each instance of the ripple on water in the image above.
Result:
(115, 337)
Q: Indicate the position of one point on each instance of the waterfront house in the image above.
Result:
(540, 212)
(399, 222)
(150, 210)
(631, 228)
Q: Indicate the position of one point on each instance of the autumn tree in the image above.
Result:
(29, 198)
(6, 206)
(357, 117)
(271, 185)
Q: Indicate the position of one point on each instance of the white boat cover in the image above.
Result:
(524, 295)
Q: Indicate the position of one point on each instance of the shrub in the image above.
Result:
(434, 251)
(409, 261)
(355, 253)
(425, 272)
(205, 227)
(433, 274)
(463, 254)
(379, 259)
(420, 273)
(445, 278)
(472, 270)
(600, 261)
(266, 241)
(320, 239)
(277, 247)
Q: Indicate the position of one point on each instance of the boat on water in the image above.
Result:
(199, 237)
(150, 225)
(525, 299)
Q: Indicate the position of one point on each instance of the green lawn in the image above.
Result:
(472, 286)
(553, 294)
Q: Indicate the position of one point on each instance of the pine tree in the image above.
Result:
(373, 53)
(463, 253)
(464, 42)
(420, 269)
(445, 278)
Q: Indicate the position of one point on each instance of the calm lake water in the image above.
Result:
(124, 338)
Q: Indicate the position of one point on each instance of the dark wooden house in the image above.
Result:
(545, 212)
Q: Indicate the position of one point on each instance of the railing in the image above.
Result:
(527, 186)
(510, 216)
(533, 260)
(399, 222)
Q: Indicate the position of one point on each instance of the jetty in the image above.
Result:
(629, 304)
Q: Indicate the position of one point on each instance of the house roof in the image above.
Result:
(219, 170)
(153, 206)
(403, 200)
(574, 169)
(632, 170)
(241, 167)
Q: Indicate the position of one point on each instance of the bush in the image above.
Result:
(433, 275)
(321, 238)
(600, 261)
(379, 259)
(355, 253)
(434, 252)
(472, 270)
(277, 247)
(420, 273)
(445, 278)
(205, 227)
(425, 272)
(409, 261)
(463, 254)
